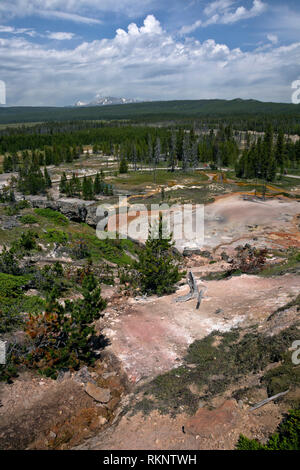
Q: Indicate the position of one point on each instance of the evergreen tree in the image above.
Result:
(280, 151)
(150, 149)
(173, 152)
(63, 183)
(157, 268)
(157, 153)
(134, 157)
(7, 164)
(186, 155)
(97, 184)
(123, 168)
(87, 189)
(48, 182)
(267, 152)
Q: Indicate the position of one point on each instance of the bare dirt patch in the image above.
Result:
(151, 336)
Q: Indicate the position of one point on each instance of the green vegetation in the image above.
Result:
(137, 180)
(63, 337)
(157, 110)
(291, 264)
(56, 236)
(57, 336)
(28, 219)
(157, 269)
(88, 189)
(13, 301)
(263, 158)
(27, 242)
(286, 438)
(53, 216)
(217, 361)
(11, 286)
(123, 166)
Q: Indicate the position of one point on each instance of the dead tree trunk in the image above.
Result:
(194, 291)
(264, 402)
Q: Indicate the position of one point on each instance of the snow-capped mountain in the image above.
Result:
(106, 101)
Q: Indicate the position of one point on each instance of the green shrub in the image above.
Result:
(56, 236)
(11, 210)
(8, 263)
(11, 298)
(23, 204)
(283, 377)
(28, 219)
(33, 304)
(53, 216)
(11, 286)
(63, 336)
(26, 242)
(11, 310)
(50, 277)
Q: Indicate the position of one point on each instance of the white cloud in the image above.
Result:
(218, 6)
(241, 13)
(221, 12)
(190, 28)
(59, 36)
(273, 38)
(144, 62)
(13, 30)
(79, 11)
(60, 15)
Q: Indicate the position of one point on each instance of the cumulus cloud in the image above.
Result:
(144, 62)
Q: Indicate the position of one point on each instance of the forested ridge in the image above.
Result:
(159, 110)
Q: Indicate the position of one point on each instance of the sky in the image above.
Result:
(55, 52)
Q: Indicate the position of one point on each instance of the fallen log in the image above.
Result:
(264, 402)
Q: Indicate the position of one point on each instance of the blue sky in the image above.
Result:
(55, 52)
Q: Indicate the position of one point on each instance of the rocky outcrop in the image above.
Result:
(9, 222)
(76, 210)
(189, 252)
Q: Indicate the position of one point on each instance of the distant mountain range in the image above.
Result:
(106, 101)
